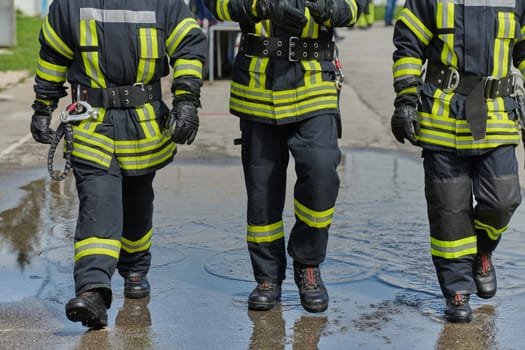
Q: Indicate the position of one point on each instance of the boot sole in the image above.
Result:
(80, 312)
(459, 319)
(136, 295)
(316, 308)
(485, 296)
(262, 306)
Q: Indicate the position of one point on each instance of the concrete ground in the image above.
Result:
(376, 303)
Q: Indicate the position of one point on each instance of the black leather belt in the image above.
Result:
(477, 89)
(119, 96)
(449, 79)
(291, 49)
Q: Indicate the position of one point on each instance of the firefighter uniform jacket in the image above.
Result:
(101, 46)
(288, 89)
(475, 38)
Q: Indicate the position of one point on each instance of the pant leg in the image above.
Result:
(137, 203)
(448, 191)
(99, 226)
(314, 147)
(497, 193)
(265, 158)
(389, 11)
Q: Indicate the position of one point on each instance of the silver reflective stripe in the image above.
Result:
(453, 249)
(488, 3)
(117, 16)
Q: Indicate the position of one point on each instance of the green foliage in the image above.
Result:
(23, 56)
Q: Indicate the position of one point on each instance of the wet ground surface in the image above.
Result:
(382, 286)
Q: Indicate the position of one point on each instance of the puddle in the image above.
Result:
(378, 268)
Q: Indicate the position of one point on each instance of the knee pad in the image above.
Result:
(449, 205)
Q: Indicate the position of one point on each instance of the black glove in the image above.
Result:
(183, 122)
(404, 119)
(40, 122)
(260, 9)
(287, 17)
(321, 10)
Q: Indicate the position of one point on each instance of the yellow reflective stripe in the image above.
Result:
(443, 132)
(140, 245)
(179, 33)
(94, 139)
(266, 233)
(55, 42)
(91, 154)
(445, 19)
(184, 67)
(282, 97)
(492, 232)
(416, 26)
(407, 66)
(288, 111)
(89, 38)
(51, 72)
(149, 160)
(441, 105)
(317, 219)
(222, 10)
(257, 70)
(311, 29)
(149, 53)
(453, 249)
(409, 90)
(313, 72)
(143, 145)
(146, 115)
(97, 246)
(505, 30)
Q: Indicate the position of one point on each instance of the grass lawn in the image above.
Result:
(23, 56)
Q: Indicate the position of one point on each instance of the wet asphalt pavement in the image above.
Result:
(382, 286)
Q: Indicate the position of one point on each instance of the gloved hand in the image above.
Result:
(40, 122)
(404, 119)
(260, 9)
(288, 17)
(321, 10)
(40, 129)
(183, 122)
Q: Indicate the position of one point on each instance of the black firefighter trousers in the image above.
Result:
(452, 183)
(265, 155)
(112, 207)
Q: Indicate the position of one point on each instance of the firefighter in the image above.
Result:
(113, 55)
(463, 115)
(284, 89)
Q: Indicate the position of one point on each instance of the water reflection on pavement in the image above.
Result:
(382, 286)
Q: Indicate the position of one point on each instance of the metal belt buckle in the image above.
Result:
(453, 80)
(292, 43)
(140, 85)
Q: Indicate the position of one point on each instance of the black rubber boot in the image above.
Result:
(264, 296)
(458, 309)
(314, 297)
(485, 276)
(136, 286)
(89, 308)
